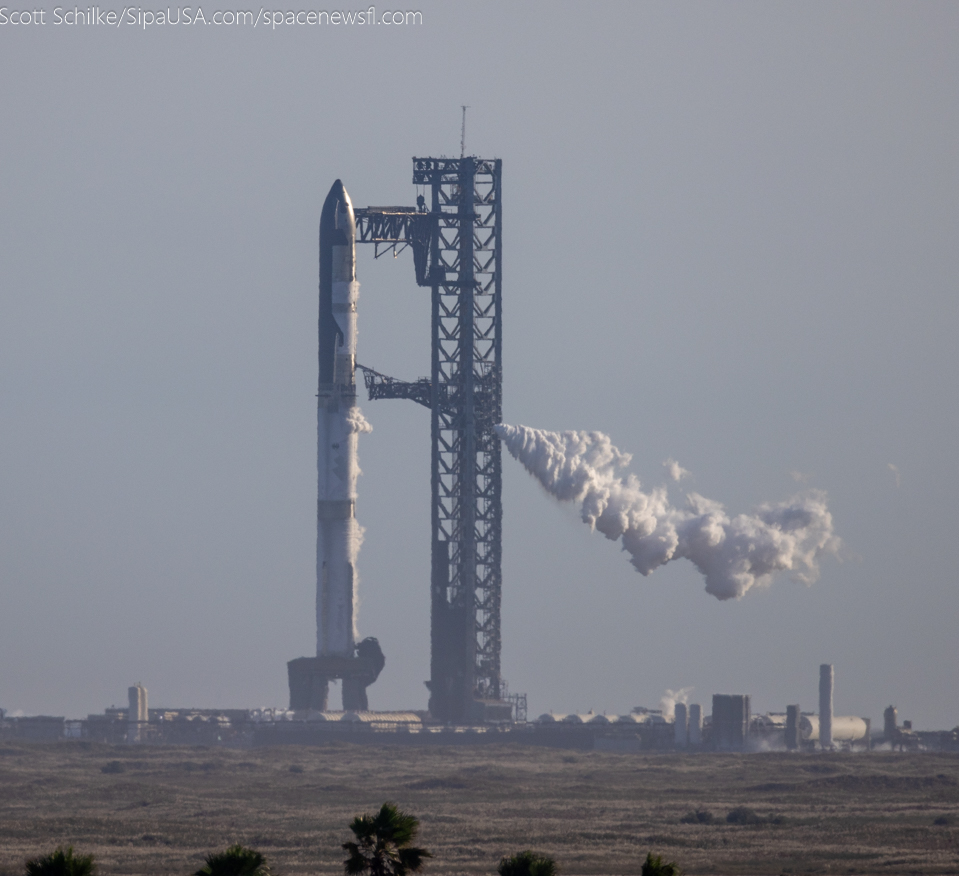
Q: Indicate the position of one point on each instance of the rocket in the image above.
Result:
(338, 425)
(339, 422)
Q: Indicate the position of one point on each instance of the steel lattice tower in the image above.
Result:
(457, 249)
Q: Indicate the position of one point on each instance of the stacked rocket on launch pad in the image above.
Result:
(339, 423)
(338, 535)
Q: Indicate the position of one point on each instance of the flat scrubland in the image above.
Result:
(159, 810)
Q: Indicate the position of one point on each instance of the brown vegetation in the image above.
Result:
(168, 807)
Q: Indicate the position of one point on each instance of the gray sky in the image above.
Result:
(730, 238)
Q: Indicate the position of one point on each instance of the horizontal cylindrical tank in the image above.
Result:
(845, 728)
(317, 716)
(578, 719)
(380, 718)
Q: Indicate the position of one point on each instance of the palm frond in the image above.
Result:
(235, 861)
(527, 863)
(62, 862)
(383, 844)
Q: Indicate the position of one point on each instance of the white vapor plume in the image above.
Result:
(734, 554)
(356, 422)
(895, 470)
(675, 471)
(669, 699)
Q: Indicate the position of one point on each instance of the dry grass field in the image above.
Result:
(161, 809)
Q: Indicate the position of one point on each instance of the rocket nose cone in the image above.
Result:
(337, 221)
(338, 199)
(337, 193)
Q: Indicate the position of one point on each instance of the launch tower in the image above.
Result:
(456, 239)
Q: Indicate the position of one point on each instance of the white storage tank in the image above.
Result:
(578, 719)
(845, 728)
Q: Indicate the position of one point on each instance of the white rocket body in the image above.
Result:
(339, 422)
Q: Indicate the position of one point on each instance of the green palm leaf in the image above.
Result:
(527, 863)
(62, 862)
(382, 845)
(235, 861)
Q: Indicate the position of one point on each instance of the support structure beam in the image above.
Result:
(457, 248)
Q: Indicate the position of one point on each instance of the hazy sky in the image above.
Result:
(730, 238)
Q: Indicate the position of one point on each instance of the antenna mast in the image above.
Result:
(463, 133)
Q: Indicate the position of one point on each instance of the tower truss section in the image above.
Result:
(457, 251)
(466, 377)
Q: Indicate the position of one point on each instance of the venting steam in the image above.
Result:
(734, 554)
(669, 699)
